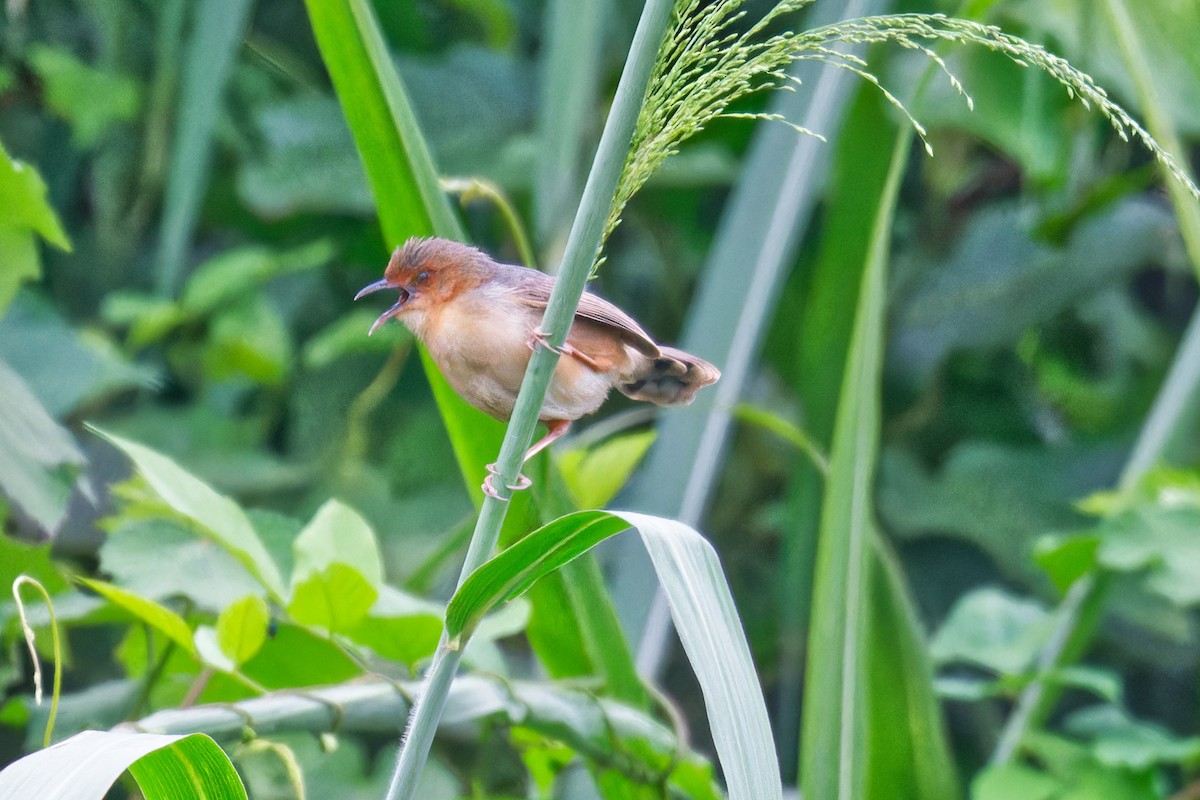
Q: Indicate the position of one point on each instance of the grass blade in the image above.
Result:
(403, 181)
(910, 754)
(754, 249)
(834, 745)
(570, 87)
(690, 575)
(214, 42)
(88, 764)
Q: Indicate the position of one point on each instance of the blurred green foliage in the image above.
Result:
(1039, 291)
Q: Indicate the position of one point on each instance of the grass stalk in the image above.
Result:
(210, 53)
(1083, 606)
(582, 246)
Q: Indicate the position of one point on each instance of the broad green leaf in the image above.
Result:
(595, 475)
(221, 518)
(67, 368)
(704, 614)
(20, 558)
(38, 457)
(88, 98)
(153, 614)
(209, 650)
(294, 656)
(242, 628)
(23, 198)
(1009, 781)
(230, 276)
(999, 279)
(26, 212)
(335, 598)
(159, 558)
(19, 256)
(992, 629)
(344, 337)
(307, 162)
(248, 339)
(337, 534)
(88, 764)
(1160, 542)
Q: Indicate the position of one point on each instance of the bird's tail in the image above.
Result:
(672, 379)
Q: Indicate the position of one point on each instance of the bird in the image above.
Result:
(480, 321)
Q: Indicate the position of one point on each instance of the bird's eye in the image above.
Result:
(422, 276)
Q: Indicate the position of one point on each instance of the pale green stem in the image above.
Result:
(1083, 605)
(582, 245)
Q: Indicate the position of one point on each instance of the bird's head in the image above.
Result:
(428, 271)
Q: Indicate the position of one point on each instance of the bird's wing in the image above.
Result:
(533, 288)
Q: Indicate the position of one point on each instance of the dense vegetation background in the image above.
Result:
(196, 298)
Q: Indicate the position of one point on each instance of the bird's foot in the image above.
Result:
(489, 487)
(537, 336)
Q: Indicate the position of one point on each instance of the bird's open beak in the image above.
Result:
(379, 285)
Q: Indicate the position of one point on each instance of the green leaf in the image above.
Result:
(400, 626)
(307, 162)
(88, 764)
(38, 457)
(89, 99)
(404, 183)
(214, 41)
(295, 656)
(230, 276)
(344, 337)
(220, 518)
(1009, 781)
(595, 475)
(835, 756)
(153, 614)
(691, 576)
(1162, 543)
(335, 598)
(26, 212)
(66, 368)
(249, 338)
(337, 534)
(910, 752)
(999, 279)
(159, 558)
(242, 628)
(991, 628)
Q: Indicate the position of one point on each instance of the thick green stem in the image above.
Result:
(582, 245)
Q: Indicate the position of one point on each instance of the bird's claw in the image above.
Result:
(489, 488)
(537, 336)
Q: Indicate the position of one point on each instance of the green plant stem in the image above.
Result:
(582, 245)
(469, 189)
(208, 59)
(1082, 608)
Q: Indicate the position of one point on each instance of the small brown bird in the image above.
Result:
(480, 321)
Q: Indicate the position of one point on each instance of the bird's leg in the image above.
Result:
(490, 489)
(539, 337)
(555, 430)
